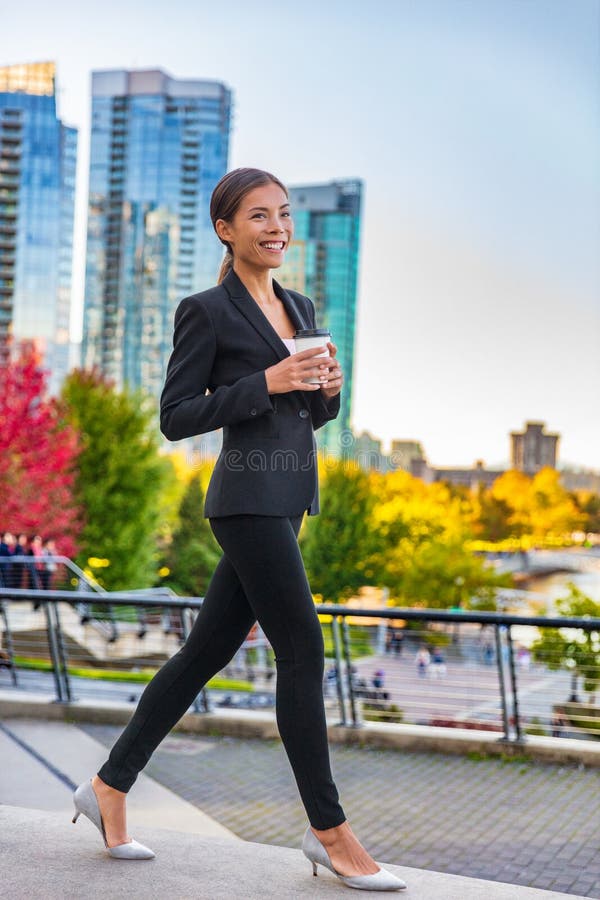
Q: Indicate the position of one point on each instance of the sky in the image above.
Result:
(475, 125)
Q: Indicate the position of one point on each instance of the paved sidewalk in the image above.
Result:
(513, 821)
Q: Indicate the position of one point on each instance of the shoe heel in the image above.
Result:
(75, 817)
(314, 865)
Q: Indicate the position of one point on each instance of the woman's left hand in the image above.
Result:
(333, 385)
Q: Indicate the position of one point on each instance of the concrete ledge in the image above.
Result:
(465, 740)
(255, 724)
(45, 856)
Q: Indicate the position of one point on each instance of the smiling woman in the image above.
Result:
(229, 340)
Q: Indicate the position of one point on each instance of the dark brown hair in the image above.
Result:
(226, 199)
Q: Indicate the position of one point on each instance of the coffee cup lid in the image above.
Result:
(312, 332)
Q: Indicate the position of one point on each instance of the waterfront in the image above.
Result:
(556, 585)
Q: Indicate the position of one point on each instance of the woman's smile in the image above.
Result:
(273, 246)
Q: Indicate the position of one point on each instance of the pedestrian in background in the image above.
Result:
(7, 549)
(49, 570)
(438, 663)
(423, 660)
(21, 550)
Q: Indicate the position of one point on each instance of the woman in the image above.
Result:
(231, 339)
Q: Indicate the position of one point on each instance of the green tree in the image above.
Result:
(440, 573)
(193, 552)
(120, 477)
(573, 649)
(589, 505)
(339, 544)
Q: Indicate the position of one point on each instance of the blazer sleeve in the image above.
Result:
(322, 410)
(185, 408)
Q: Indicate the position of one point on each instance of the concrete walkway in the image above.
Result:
(44, 856)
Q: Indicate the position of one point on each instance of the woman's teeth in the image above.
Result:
(273, 245)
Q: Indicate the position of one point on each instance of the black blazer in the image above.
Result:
(223, 341)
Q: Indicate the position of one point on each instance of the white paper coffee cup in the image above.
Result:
(312, 337)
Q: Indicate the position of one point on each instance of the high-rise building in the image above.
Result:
(531, 449)
(38, 156)
(159, 145)
(322, 262)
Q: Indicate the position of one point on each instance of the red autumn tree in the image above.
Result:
(38, 449)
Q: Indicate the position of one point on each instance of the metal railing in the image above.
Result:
(33, 567)
(435, 667)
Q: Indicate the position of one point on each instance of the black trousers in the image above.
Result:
(260, 576)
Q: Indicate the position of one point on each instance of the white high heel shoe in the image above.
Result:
(86, 802)
(382, 880)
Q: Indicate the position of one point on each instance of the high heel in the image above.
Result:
(382, 880)
(86, 802)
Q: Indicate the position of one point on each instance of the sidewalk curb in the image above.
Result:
(254, 724)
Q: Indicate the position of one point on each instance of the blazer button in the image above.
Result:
(252, 412)
(303, 413)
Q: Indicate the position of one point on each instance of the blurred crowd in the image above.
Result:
(25, 562)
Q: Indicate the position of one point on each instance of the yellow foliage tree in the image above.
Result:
(541, 507)
(425, 529)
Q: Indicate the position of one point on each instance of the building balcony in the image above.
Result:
(11, 126)
(10, 179)
(8, 167)
(11, 141)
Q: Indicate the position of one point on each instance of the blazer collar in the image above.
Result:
(247, 305)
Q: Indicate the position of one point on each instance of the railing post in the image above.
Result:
(335, 633)
(57, 653)
(62, 654)
(346, 645)
(9, 643)
(53, 652)
(186, 631)
(501, 682)
(513, 681)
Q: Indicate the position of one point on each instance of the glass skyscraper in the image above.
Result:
(322, 262)
(158, 147)
(37, 196)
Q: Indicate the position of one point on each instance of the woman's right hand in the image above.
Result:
(287, 375)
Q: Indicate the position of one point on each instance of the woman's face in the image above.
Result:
(262, 228)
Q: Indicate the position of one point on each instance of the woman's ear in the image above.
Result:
(223, 230)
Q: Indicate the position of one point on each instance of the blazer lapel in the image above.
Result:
(248, 307)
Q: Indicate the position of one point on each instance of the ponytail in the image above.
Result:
(226, 266)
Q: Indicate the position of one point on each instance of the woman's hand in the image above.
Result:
(335, 376)
(288, 374)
